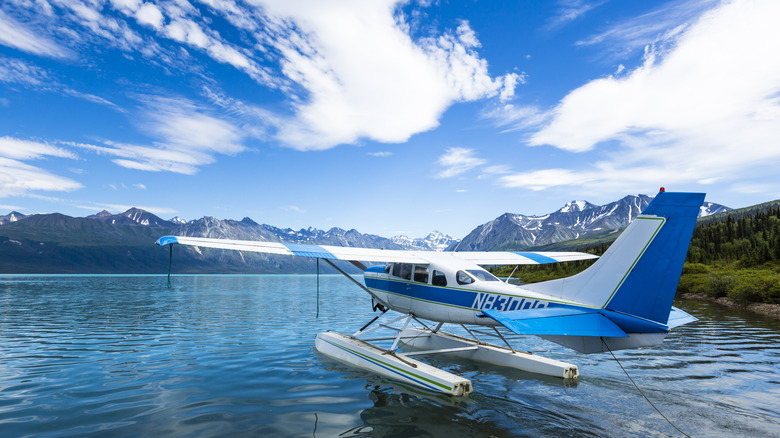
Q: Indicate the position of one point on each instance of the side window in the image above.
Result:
(421, 274)
(439, 279)
(388, 266)
(403, 270)
(463, 278)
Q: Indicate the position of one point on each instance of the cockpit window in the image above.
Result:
(463, 278)
(421, 273)
(403, 270)
(439, 279)
(482, 275)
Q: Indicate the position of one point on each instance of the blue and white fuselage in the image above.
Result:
(449, 292)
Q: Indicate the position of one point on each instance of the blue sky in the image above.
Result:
(387, 117)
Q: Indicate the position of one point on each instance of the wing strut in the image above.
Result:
(348, 276)
(170, 262)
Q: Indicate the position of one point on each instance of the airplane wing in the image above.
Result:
(376, 255)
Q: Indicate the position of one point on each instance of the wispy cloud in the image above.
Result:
(707, 109)
(18, 178)
(381, 154)
(349, 70)
(294, 208)
(18, 36)
(186, 137)
(570, 10)
(15, 71)
(456, 161)
(659, 27)
(515, 118)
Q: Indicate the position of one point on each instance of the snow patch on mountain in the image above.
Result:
(435, 241)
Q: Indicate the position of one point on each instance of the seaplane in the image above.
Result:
(622, 301)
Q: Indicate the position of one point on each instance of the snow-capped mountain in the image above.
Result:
(11, 217)
(710, 208)
(574, 220)
(435, 241)
(178, 220)
(133, 216)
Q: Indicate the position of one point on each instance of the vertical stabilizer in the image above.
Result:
(638, 274)
(650, 286)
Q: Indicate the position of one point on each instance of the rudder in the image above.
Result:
(649, 288)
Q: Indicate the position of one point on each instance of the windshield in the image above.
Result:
(481, 274)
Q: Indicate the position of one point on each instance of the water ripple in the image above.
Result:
(233, 355)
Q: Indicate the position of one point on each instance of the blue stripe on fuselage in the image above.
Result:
(462, 298)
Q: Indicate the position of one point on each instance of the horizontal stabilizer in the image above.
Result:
(557, 321)
(678, 317)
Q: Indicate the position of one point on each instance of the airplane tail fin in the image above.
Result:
(638, 275)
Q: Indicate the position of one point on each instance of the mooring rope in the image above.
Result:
(170, 262)
(640, 391)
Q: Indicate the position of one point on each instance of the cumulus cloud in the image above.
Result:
(18, 178)
(365, 77)
(708, 108)
(348, 70)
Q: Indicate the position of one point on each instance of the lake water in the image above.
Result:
(234, 355)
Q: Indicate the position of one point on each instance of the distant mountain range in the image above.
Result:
(123, 243)
(575, 220)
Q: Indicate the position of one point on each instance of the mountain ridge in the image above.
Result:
(123, 243)
(575, 220)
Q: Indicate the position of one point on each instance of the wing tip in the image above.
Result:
(166, 240)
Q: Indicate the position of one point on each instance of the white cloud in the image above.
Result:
(570, 10)
(514, 118)
(187, 137)
(381, 154)
(659, 27)
(456, 161)
(19, 179)
(293, 208)
(18, 36)
(364, 75)
(150, 15)
(19, 149)
(708, 108)
(16, 71)
(140, 186)
(349, 70)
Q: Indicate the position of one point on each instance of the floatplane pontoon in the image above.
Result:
(624, 300)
